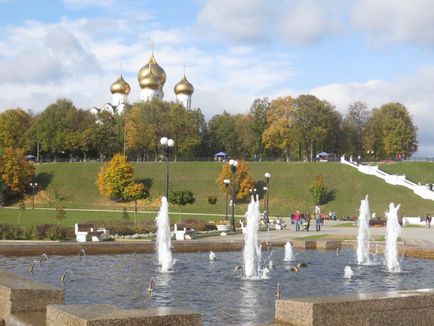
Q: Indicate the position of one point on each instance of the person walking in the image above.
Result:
(307, 215)
(297, 220)
(318, 218)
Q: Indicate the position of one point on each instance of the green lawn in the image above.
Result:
(72, 185)
(422, 172)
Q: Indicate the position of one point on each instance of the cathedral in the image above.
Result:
(151, 78)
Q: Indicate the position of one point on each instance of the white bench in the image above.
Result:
(183, 233)
(86, 232)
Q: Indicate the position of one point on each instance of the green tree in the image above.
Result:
(60, 214)
(79, 136)
(354, 125)
(22, 208)
(16, 172)
(223, 134)
(317, 126)
(52, 126)
(135, 191)
(107, 138)
(390, 131)
(115, 177)
(318, 190)
(15, 129)
(181, 197)
(243, 180)
(258, 114)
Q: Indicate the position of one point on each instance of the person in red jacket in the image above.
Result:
(297, 219)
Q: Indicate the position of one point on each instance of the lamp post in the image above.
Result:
(167, 145)
(33, 185)
(267, 188)
(233, 165)
(226, 182)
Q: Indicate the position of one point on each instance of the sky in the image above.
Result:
(234, 51)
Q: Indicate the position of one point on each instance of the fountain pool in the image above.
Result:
(214, 288)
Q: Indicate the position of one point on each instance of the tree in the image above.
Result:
(318, 190)
(243, 181)
(22, 208)
(115, 177)
(223, 134)
(258, 114)
(135, 191)
(3, 192)
(15, 129)
(317, 125)
(279, 134)
(16, 171)
(354, 125)
(390, 131)
(181, 197)
(181, 127)
(52, 126)
(60, 214)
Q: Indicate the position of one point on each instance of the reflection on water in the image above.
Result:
(216, 289)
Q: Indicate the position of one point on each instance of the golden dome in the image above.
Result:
(184, 87)
(149, 81)
(156, 70)
(120, 86)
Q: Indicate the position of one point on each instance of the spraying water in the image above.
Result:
(252, 250)
(212, 255)
(164, 236)
(348, 272)
(289, 253)
(363, 235)
(393, 229)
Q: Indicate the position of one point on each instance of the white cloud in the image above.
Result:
(295, 21)
(308, 21)
(239, 20)
(393, 21)
(414, 91)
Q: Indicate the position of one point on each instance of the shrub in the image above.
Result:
(42, 231)
(57, 232)
(212, 200)
(200, 225)
(28, 233)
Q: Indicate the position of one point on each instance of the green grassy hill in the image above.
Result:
(72, 185)
(422, 172)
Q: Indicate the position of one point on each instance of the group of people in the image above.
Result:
(302, 219)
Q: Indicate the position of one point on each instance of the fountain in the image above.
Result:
(252, 249)
(348, 272)
(393, 229)
(212, 255)
(289, 253)
(164, 236)
(363, 235)
(43, 256)
(81, 253)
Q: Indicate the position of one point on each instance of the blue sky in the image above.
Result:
(234, 51)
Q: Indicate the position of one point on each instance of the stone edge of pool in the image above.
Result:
(31, 248)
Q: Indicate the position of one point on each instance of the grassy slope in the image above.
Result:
(72, 185)
(422, 172)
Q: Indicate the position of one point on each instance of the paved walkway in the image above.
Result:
(418, 236)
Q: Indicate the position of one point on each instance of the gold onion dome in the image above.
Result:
(149, 81)
(184, 87)
(153, 67)
(120, 86)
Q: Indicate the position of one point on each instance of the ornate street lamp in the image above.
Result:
(33, 185)
(233, 165)
(266, 189)
(167, 145)
(226, 182)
